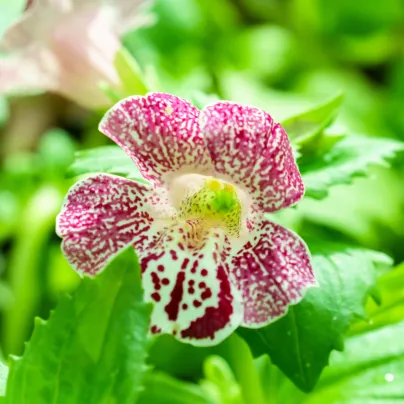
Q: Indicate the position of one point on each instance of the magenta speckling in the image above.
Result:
(204, 280)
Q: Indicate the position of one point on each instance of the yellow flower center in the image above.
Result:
(215, 205)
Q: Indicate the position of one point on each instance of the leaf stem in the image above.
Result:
(36, 223)
(239, 356)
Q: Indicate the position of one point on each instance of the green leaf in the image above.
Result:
(304, 126)
(129, 73)
(391, 309)
(276, 387)
(3, 379)
(161, 388)
(113, 94)
(55, 153)
(370, 370)
(300, 342)
(186, 361)
(93, 348)
(106, 159)
(6, 295)
(221, 382)
(242, 87)
(348, 158)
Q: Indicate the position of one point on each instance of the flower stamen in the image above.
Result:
(215, 205)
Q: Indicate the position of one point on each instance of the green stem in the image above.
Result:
(36, 223)
(239, 357)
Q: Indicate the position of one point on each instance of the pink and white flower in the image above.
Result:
(68, 47)
(210, 259)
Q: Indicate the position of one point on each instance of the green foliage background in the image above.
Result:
(332, 72)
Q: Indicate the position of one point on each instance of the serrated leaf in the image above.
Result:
(390, 307)
(300, 342)
(106, 159)
(305, 125)
(93, 348)
(370, 370)
(161, 388)
(348, 158)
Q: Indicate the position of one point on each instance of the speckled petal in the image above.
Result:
(102, 215)
(161, 133)
(193, 298)
(272, 274)
(248, 149)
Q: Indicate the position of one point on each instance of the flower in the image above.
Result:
(67, 46)
(210, 259)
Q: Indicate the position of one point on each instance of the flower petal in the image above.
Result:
(160, 132)
(27, 72)
(272, 274)
(132, 14)
(73, 46)
(85, 45)
(192, 295)
(248, 149)
(101, 216)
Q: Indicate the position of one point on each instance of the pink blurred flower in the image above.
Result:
(67, 46)
(210, 259)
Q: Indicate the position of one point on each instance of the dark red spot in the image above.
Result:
(191, 291)
(202, 285)
(165, 281)
(204, 272)
(214, 318)
(191, 282)
(156, 296)
(181, 246)
(194, 266)
(155, 330)
(206, 294)
(151, 257)
(184, 306)
(174, 255)
(176, 297)
(184, 263)
(155, 280)
(160, 268)
(197, 303)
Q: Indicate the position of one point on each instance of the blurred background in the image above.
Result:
(282, 55)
